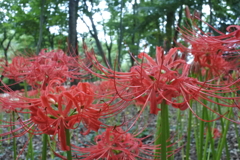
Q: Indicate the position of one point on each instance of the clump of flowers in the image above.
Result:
(55, 109)
(167, 78)
(39, 70)
(113, 144)
(215, 55)
(60, 109)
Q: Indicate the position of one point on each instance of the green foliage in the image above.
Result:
(132, 26)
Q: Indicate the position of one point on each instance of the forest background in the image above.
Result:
(114, 28)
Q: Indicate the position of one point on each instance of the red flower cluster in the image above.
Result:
(39, 70)
(216, 54)
(159, 80)
(165, 78)
(57, 109)
(115, 144)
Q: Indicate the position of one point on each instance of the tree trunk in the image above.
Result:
(169, 35)
(134, 50)
(39, 44)
(109, 49)
(93, 31)
(120, 34)
(210, 16)
(7, 46)
(72, 34)
(98, 43)
(199, 9)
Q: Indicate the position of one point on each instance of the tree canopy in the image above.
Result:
(113, 28)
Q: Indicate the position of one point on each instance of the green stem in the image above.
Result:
(189, 133)
(163, 131)
(196, 131)
(30, 154)
(25, 85)
(53, 146)
(206, 146)
(69, 152)
(227, 152)
(179, 130)
(14, 140)
(237, 134)
(223, 127)
(210, 136)
(167, 129)
(202, 123)
(158, 136)
(223, 139)
(44, 147)
(201, 139)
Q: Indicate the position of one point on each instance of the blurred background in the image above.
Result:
(114, 28)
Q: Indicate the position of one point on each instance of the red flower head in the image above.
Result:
(61, 109)
(57, 109)
(160, 79)
(39, 70)
(105, 88)
(215, 131)
(166, 78)
(217, 54)
(150, 80)
(113, 144)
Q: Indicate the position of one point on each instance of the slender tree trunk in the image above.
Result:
(5, 48)
(120, 33)
(93, 31)
(199, 9)
(169, 33)
(211, 15)
(39, 44)
(51, 41)
(72, 34)
(98, 43)
(108, 45)
(134, 33)
(109, 48)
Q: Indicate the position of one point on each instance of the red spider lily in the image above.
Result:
(60, 108)
(216, 133)
(158, 80)
(218, 54)
(146, 78)
(105, 88)
(166, 78)
(39, 70)
(114, 144)
(9, 106)
(12, 100)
